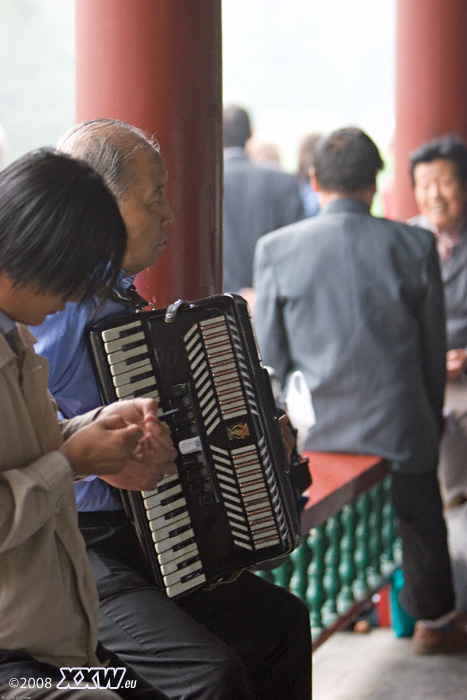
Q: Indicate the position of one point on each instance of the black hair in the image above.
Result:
(347, 160)
(60, 227)
(448, 147)
(236, 126)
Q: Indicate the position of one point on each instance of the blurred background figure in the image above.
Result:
(257, 199)
(439, 176)
(263, 152)
(306, 160)
(388, 189)
(355, 302)
(3, 148)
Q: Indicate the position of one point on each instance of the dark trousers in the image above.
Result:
(428, 587)
(243, 640)
(19, 666)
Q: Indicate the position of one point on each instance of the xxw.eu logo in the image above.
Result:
(93, 678)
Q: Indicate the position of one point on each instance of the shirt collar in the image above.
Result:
(6, 323)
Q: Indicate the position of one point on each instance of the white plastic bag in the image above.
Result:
(299, 407)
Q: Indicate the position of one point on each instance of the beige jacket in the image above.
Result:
(48, 600)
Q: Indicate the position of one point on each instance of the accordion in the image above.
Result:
(230, 506)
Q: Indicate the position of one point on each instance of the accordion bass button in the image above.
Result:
(190, 445)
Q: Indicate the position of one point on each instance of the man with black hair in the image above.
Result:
(356, 303)
(54, 209)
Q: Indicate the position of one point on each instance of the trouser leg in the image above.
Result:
(205, 646)
(428, 588)
(152, 634)
(167, 647)
(269, 629)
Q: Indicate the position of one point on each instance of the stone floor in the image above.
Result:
(378, 666)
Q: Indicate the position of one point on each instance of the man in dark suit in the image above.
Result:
(356, 304)
(257, 199)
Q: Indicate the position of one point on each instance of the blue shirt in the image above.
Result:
(62, 339)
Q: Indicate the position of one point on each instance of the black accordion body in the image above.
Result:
(230, 506)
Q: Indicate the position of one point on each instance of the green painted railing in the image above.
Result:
(345, 559)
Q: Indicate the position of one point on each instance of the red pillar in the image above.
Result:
(431, 80)
(157, 65)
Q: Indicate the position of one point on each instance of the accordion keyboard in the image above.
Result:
(229, 506)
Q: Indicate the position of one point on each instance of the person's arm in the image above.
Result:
(62, 340)
(154, 454)
(433, 335)
(268, 317)
(33, 492)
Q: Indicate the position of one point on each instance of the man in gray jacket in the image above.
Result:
(356, 304)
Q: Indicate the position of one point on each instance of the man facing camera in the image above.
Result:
(439, 176)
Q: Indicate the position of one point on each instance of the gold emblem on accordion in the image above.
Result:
(240, 431)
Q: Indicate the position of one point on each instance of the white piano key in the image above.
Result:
(179, 563)
(164, 527)
(113, 333)
(120, 343)
(159, 510)
(180, 588)
(164, 483)
(177, 576)
(168, 542)
(124, 367)
(167, 519)
(132, 372)
(159, 495)
(152, 394)
(188, 551)
(119, 356)
(129, 389)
